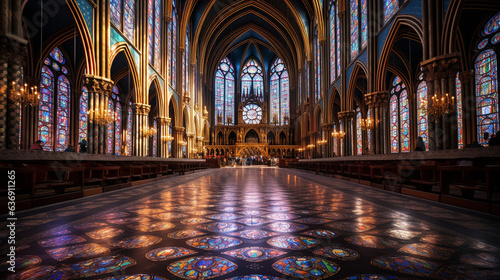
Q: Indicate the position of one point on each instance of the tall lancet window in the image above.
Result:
(359, 132)
(54, 107)
(399, 117)
(114, 127)
(422, 123)
(317, 66)
(252, 79)
(84, 116)
(123, 16)
(460, 124)
(154, 32)
(172, 47)
(390, 8)
(280, 113)
(224, 93)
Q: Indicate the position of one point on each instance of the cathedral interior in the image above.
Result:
(249, 139)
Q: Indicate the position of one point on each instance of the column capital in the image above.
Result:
(141, 109)
(346, 115)
(445, 66)
(377, 99)
(162, 120)
(98, 84)
(179, 129)
(466, 76)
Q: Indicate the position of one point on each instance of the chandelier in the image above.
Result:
(311, 146)
(301, 149)
(101, 116)
(338, 134)
(440, 106)
(321, 142)
(366, 123)
(148, 131)
(25, 95)
(167, 138)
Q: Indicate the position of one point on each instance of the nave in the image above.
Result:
(255, 223)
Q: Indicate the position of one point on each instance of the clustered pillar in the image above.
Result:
(377, 103)
(346, 117)
(141, 123)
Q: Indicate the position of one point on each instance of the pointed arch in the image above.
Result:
(123, 47)
(359, 70)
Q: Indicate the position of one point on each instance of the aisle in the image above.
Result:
(272, 223)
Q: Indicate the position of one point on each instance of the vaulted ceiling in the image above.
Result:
(248, 28)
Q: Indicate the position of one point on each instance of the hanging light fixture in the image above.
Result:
(338, 134)
(366, 124)
(440, 106)
(25, 95)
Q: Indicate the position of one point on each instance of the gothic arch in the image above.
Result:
(359, 71)
(123, 47)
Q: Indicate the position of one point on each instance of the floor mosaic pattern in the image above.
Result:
(254, 223)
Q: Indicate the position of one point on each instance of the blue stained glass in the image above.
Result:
(58, 56)
(118, 128)
(224, 93)
(63, 98)
(394, 136)
(422, 112)
(318, 69)
(338, 43)
(364, 24)
(128, 19)
(45, 109)
(459, 112)
(399, 117)
(129, 130)
(84, 108)
(354, 29)
(275, 97)
(279, 93)
(116, 12)
(369, 115)
(390, 8)
(252, 80)
(157, 36)
(173, 57)
(155, 139)
(495, 38)
(359, 135)
(151, 23)
(482, 44)
(333, 70)
(493, 25)
(111, 130)
(285, 98)
(486, 94)
(404, 110)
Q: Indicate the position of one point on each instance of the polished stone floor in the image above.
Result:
(254, 223)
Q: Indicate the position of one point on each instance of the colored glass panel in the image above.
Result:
(224, 93)
(252, 114)
(110, 139)
(118, 128)
(359, 135)
(128, 19)
(45, 112)
(482, 44)
(157, 35)
(364, 24)
(185, 65)
(486, 94)
(275, 98)
(390, 8)
(369, 134)
(58, 56)
(493, 25)
(394, 126)
(229, 99)
(280, 91)
(404, 112)
(285, 98)
(338, 42)
(495, 38)
(318, 68)
(219, 98)
(459, 112)
(63, 104)
(252, 79)
(173, 58)
(333, 70)
(129, 130)
(116, 12)
(354, 29)
(422, 122)
(151, 26)
(83, 119)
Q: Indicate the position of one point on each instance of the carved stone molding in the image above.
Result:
(377, 99)
(141, 109)
(98, 84)
(445, 66)
(179, 129)
(161, 120)
(346, 115)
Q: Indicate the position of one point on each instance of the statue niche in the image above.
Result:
(252, 137)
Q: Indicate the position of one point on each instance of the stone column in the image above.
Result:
(179, 136)
(346, 117)
(141, 123)
(377, 103)
(190, 144)
(99, 90)
(469, 116)
(440, 75)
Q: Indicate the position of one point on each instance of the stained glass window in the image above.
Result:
(122, 13)
(116, 12)
(224, 93)
(493, 25)
(364, 23)
(318, 68)
(369, 134)
(399, 117)
(354, 29)
(170, 130)
(172, 43)
(252, 114)
(422, 121)
(155, 138)
(129, 129)
(390, 8)
(279, 93)
(110, 140)
(338, 42)
(185, 65)
(333, 58)
(252, 81)
(335, 141)
(118, 128)
(55, 103)
(154, 32)
(486, 94)
(84, 108)
(359, 133)
(459, 112)
(46, 109)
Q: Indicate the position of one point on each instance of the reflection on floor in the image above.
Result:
(255, 223)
